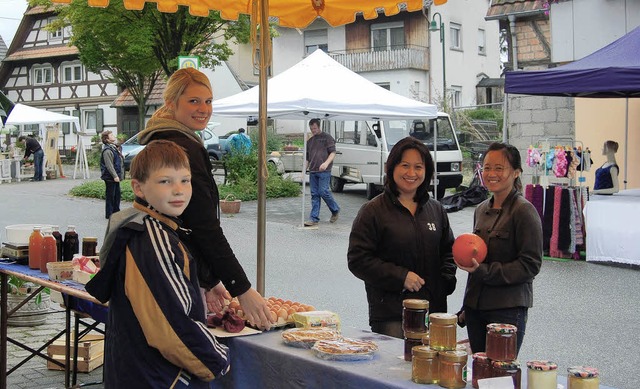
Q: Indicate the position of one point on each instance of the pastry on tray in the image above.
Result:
(306, 337)
(345, 349)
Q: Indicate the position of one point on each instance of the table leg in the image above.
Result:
(3, 330)
(67, 350)
(76, 341)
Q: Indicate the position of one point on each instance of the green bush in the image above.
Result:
(95, 189)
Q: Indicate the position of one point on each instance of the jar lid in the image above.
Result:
(453, 356)
(480, 356)
(583, 371)
(90, 239)
(502, 328)
(423, 351)
(426, 339)
(506, 364)
(542, 365)
(443, 318)
(415, 304)
(414, 334)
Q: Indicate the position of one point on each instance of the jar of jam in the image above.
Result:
(583, 377)
(442, 331)
(542, 375)
(424, 367)
(507, 369)
(480, 368)
(411, 339)
(89, 246)
(414, 315)
(453, 369)
(501, 342)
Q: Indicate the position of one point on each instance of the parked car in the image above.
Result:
(131, 147)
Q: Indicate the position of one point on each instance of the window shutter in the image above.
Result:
(66, 127)
(99, 120)
(76, 113)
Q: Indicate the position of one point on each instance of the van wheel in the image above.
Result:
(336, 184)
(373, 190)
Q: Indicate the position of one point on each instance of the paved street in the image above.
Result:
(584, 313)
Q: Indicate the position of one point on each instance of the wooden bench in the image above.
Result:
(218, 168)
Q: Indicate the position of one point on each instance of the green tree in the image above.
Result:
(137, 47)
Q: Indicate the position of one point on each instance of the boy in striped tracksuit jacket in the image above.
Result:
(156, 334)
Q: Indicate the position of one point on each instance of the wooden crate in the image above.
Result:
(90, 353)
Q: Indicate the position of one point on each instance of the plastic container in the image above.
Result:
(411, 339)
(35, 248)
(49, 251)
(442, 331)
(453, 369)
(501, 342)
(508, 369)
(542, 375)
(583, 377)
(415, 315)
(480, 368)
(425, 365)
(60, 270)
(71, 243)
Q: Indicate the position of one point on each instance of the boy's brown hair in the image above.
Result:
(156, 155)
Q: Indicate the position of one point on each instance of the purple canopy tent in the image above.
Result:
(611, 72)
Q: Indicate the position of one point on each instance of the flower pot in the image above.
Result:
(30, 314)
(230, 206)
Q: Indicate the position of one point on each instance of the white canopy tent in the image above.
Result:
(320, 87)
(24, 114)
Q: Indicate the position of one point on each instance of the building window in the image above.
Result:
(455, 32)
(482, 42)
(387, 36)
(455, 92)
(42, 75)
(315, 40)
(56, 35)
(384, 85)
(72, 73)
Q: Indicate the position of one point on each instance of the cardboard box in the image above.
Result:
(90, 353)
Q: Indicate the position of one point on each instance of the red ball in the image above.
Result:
(468, 246)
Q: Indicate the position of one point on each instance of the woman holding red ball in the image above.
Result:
(500, 289)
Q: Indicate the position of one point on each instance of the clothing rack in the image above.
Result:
(545, 165)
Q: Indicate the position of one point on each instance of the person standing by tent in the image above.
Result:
(321, 150)
(187, 108)
(112, 172)
(33, 147)
(239, 143)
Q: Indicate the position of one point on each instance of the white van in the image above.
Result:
(362, 148)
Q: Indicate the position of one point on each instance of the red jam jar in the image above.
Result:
(501, 342)
(583, 377)
(507, 369)
(415, 315)
(480, 368)
(411, 339)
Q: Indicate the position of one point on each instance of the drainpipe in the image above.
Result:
(514, 46)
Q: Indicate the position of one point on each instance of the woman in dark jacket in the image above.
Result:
(400, 242)
(187, 109)
(500, 289)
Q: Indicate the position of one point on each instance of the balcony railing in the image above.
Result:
(367, 60)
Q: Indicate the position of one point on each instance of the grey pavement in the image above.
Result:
(584, 313)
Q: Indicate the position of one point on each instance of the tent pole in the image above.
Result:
(265, 49)
(304, 171)
(626, 139)
(505, 107)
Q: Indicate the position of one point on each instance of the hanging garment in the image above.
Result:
(547, 223)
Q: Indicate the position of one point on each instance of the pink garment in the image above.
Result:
(553, 243)
(560, 163)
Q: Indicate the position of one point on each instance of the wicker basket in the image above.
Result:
(230, 204)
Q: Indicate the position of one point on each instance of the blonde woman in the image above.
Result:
(187, 109)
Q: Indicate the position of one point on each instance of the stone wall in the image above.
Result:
(534, 118)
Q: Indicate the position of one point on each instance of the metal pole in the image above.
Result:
(265, 49)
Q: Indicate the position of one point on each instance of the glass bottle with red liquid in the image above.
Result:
(71, 243)
(49, 250)
(58, 236)
(35, 248)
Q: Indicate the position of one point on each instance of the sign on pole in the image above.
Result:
(189, 62)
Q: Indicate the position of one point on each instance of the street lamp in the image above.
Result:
(433, 26)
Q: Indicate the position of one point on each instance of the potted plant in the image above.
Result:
(34, 311)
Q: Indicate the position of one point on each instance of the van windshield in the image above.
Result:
(422, 130)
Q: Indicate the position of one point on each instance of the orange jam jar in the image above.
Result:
(501, 342)
(583, 377)
(415, 315)
(424, 367)
(480, 368)
(507, 369)
(442, 331)
(453, 369)
(542, 375)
